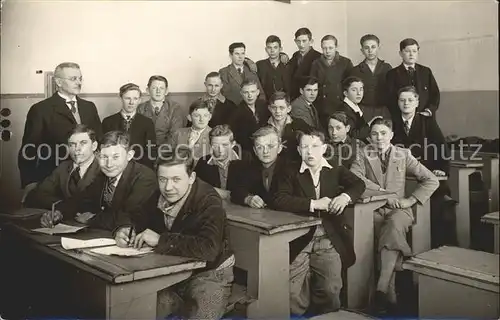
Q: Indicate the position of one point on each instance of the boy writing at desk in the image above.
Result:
(186, 218)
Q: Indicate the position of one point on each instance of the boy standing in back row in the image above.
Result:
(372, 70)
(410, 73)
(330, 69)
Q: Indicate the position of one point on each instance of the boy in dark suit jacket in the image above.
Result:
(139, 127)
(410, 73)
(330, 69)
(220, 168)
(256, 183)
(272, 71)
(238, 72)
(186, 218)
(71, 176)
(353, 94)
(373, 72)
(249, 115)
(50, 121)
(117, 193)
(300, 64)
(427, 143)
(316, 188)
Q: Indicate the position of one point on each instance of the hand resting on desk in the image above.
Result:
(122, 237)
(148, 237)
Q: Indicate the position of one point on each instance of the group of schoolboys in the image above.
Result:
(249, 144)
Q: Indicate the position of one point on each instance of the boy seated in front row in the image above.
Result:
(384, 166)
(220, 168)
(71, 176)
(256, 181)
(117, 193)
(196, 137)
(185, 217)
(353, 89)
(313, 188)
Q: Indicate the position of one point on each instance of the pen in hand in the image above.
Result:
(52, 217)
(130, 236)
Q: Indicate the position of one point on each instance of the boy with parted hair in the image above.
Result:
(272, 71)
(372, 70)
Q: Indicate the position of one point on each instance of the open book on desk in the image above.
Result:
(60, 228)
(104, 246)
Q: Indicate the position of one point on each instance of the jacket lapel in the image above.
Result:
(306, 183)
(66, 179)
(375, 165)
(123, 184)
(89, 175)
(61, 108)
(326, 180)
(392, 166)
(235, 74)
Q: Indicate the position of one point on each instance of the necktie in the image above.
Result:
(384, 160)
(109, 190)
(72, 105)
(74, 178)
(411, 74)
(407, 127)
(266, 181)
(314, 116)
(299, 59)
(128, 121)
(194, 135)
(240, 71)
(157, 110)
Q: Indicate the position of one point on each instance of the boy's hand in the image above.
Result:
(84, 217)
(426, 113)
(393, 203)
(407, 202)
(255, 202)
(122, 239)
(148, 237)
(439, 173)
(284, 58)
(321, 204)
(338, 204)
(49, 220)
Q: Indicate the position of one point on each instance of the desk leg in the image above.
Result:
(266, 259)
(459, 187)
(360, 276)
(137, 299)
(493, 180)
(421, 230)
(496, 238)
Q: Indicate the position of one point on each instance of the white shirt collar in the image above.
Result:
(410, 120)
(118, 177)
(242, 67)
(324, 163)
(408, 66)
(272, 123)
(353, 106)
(85, 166)
(65, 97)
(232, 156)
(128, 114)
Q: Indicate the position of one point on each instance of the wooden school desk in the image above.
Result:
(260, 239)
(103, 286)
(360, 276)
(459, 187)
(493, 218)
(456, 283)
(490, 173)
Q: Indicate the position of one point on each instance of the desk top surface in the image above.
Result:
(372, 195)
(459, 261)
(267, 221)
(479, 156)
(465, 164)
(492, 217)
(110, 268)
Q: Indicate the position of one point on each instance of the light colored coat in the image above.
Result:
(201, 147)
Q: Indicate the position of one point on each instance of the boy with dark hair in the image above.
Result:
(330, 69)
(372, 70)
(300, 64)
(272, 71)
(353, 94)
(237, 72)
(222, 107)
(305, 106)
(410, 73)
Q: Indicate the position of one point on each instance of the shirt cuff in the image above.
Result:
(348, 196)
(311, 208)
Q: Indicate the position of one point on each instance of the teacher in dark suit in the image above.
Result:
(49, 123)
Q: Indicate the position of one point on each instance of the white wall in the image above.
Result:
(458, 39)
(117, 41)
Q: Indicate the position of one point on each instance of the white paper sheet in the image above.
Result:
(70, 243)
(59, 228)
(124, 252)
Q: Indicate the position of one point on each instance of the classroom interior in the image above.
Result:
(117, 42)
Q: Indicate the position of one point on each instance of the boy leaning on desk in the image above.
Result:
(185, 217)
